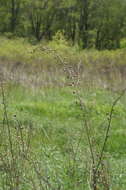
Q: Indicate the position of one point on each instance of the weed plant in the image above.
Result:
(57, 129)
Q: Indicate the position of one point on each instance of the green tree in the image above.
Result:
(91, 23)
(108, 19)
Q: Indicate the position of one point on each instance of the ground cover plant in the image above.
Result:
(48, 96)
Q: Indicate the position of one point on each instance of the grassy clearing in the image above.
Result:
(43, 142)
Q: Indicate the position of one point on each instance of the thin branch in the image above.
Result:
(108, 127)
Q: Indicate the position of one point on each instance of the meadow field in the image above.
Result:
(62, 117)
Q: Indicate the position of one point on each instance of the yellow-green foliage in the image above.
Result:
(16, 49)
(123, 43)
(20, 49)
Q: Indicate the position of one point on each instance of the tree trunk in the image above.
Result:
(84, 23)
(15, 7)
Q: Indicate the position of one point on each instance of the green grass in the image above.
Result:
(57, 127)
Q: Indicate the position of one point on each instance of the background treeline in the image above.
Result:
(100, 24)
